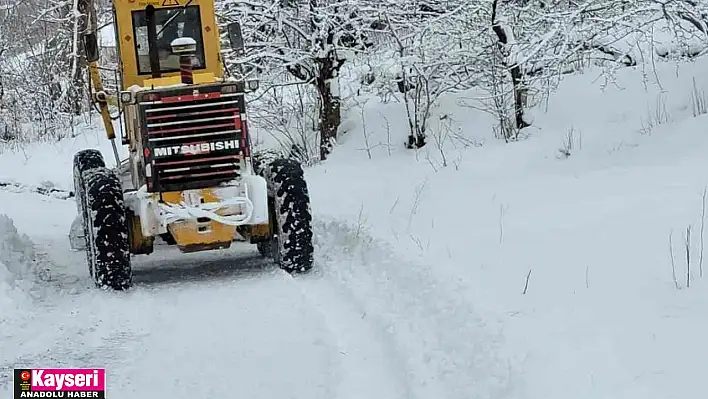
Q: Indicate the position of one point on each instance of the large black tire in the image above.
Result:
(107, 243)
(261, 159)
(289, 202)
(85, 160)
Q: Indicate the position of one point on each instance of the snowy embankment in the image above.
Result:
(22, 269)
(17, 263)
(534, 269)
(563, 235)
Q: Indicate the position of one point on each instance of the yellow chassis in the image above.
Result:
(145, 217)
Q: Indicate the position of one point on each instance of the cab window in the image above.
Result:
(171, 23)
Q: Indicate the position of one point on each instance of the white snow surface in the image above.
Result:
(421, 265)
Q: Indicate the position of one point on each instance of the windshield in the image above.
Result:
(185, 24)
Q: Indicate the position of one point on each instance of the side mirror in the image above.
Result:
(235, 37)
(91, 47)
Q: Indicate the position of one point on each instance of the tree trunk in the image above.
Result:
(330, 103)
(75, 94)
(519, 97)
(514, 71)
(330, 118)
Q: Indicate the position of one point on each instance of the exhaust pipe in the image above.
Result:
(185, 47)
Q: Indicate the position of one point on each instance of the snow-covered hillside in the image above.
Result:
(561, 240)
(468, 269)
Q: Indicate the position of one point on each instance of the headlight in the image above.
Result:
(230, 89)
(252, 85)
(126, 97)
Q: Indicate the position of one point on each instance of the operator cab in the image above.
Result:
(143, 24)
(170, 24)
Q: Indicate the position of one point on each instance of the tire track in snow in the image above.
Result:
(250, 338)
(450, 352)
(369, 365)
(358, 364)
(261, 333)
(212, 325)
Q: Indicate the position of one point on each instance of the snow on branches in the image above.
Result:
(41, 73)
(311, 40)
(512, 52)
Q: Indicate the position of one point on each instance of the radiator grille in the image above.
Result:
(193, 140)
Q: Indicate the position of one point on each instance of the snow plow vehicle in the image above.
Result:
(190, 178)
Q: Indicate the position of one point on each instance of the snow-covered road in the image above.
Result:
(230, 324)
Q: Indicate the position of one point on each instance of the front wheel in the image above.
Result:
(84, 161)
(291, 218)
(107, 244)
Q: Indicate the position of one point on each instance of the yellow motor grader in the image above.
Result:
(191, 178)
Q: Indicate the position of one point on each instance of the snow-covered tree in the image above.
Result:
(311, 40)
(43, 78)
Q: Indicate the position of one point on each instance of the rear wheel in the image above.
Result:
(291, 218)
(107, 245)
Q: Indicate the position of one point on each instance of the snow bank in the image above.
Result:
(444, 342)
(571, 251)
(19, 266)
(43, 164)
(5, 287)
